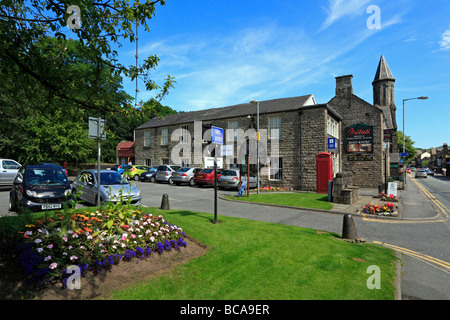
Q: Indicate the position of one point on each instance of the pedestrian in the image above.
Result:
(444, 171)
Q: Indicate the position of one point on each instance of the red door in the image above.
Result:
(324, 162)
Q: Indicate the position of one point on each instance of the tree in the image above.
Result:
(25, 25)
(409, 146)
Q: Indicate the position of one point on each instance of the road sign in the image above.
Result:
(404, 154)
(94, 130)
(217, 135)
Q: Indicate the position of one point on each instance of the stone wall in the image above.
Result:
(364, 174)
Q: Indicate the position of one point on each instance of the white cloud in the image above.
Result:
(337, 9)
(445, 41)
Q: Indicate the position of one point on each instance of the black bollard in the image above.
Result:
(165, 202)
(349, 229)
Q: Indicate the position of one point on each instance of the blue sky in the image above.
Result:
(223, 53)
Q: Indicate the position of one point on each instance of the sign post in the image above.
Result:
(217, 139)
(96, 131)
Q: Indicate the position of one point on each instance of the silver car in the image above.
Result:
(164, 173)
(8, 171)
(231, 178)
(421, 173)
(185, 175)
(112, 187)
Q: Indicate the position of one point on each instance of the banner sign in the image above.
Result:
(359, 139)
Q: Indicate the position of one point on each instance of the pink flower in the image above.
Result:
(50, 246)
(53, 265)
(47, 258)
(73, 257)
(133, 236)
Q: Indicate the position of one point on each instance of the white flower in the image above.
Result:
(37, 241)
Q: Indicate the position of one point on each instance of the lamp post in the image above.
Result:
(404, 135)
(257, 144)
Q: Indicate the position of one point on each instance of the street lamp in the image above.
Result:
(257, 143)
(404, 135)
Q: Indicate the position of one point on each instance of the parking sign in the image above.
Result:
(217, 135)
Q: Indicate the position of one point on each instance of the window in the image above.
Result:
(164, 136)
(148, 162)
(231, 132)
(147, 138)
(185, 134)
(332, 127)
(276, 168)
(275, 127)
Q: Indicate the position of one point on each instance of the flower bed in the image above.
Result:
(274, 189)
(386, 197)
(376, 209)
(92, 241)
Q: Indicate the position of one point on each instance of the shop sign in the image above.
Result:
(359, 139)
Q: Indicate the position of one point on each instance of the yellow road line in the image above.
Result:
(441, 263)
(401, 221)
(431, 197)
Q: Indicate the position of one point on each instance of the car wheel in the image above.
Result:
(12, 207)
(152, 179)
(191, 182)
(170, 181)
(136, 177)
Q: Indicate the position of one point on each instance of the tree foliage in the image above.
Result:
(51, 85)
(409, 146)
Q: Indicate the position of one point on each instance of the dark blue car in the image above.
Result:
(40, 188)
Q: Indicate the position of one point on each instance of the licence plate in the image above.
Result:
(224, 181)
(160, 173)
(199, 176)
(51, 206)
(177, 174)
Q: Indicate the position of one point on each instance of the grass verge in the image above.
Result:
(259, 260)
(300, 200)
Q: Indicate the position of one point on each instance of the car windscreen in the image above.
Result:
(113, 177)
(230, 173)
(207, 171)
(184, 170)
(45, 176)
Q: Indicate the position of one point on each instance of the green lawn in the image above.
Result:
(258, 260)
(301, 200)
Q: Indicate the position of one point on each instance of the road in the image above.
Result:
(422, 235)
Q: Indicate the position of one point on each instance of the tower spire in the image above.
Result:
(383, 71)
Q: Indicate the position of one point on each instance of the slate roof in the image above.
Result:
(235, 111)
(383, 71)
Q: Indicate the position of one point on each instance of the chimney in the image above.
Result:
(344, 85)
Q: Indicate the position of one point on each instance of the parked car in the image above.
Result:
(112, 187)
(164, 173)
(55, 164)
(231, 178)
(8, 171)
(206, 177)
(38, 188)
(134, 171)
(429, 172)
(118, 168)
(149, 175)
(185, 175)
(408, 170)
(421, 173)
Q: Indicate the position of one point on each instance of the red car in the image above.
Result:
(408, 170)
(206, 177)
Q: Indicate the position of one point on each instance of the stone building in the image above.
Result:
(293, 131)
